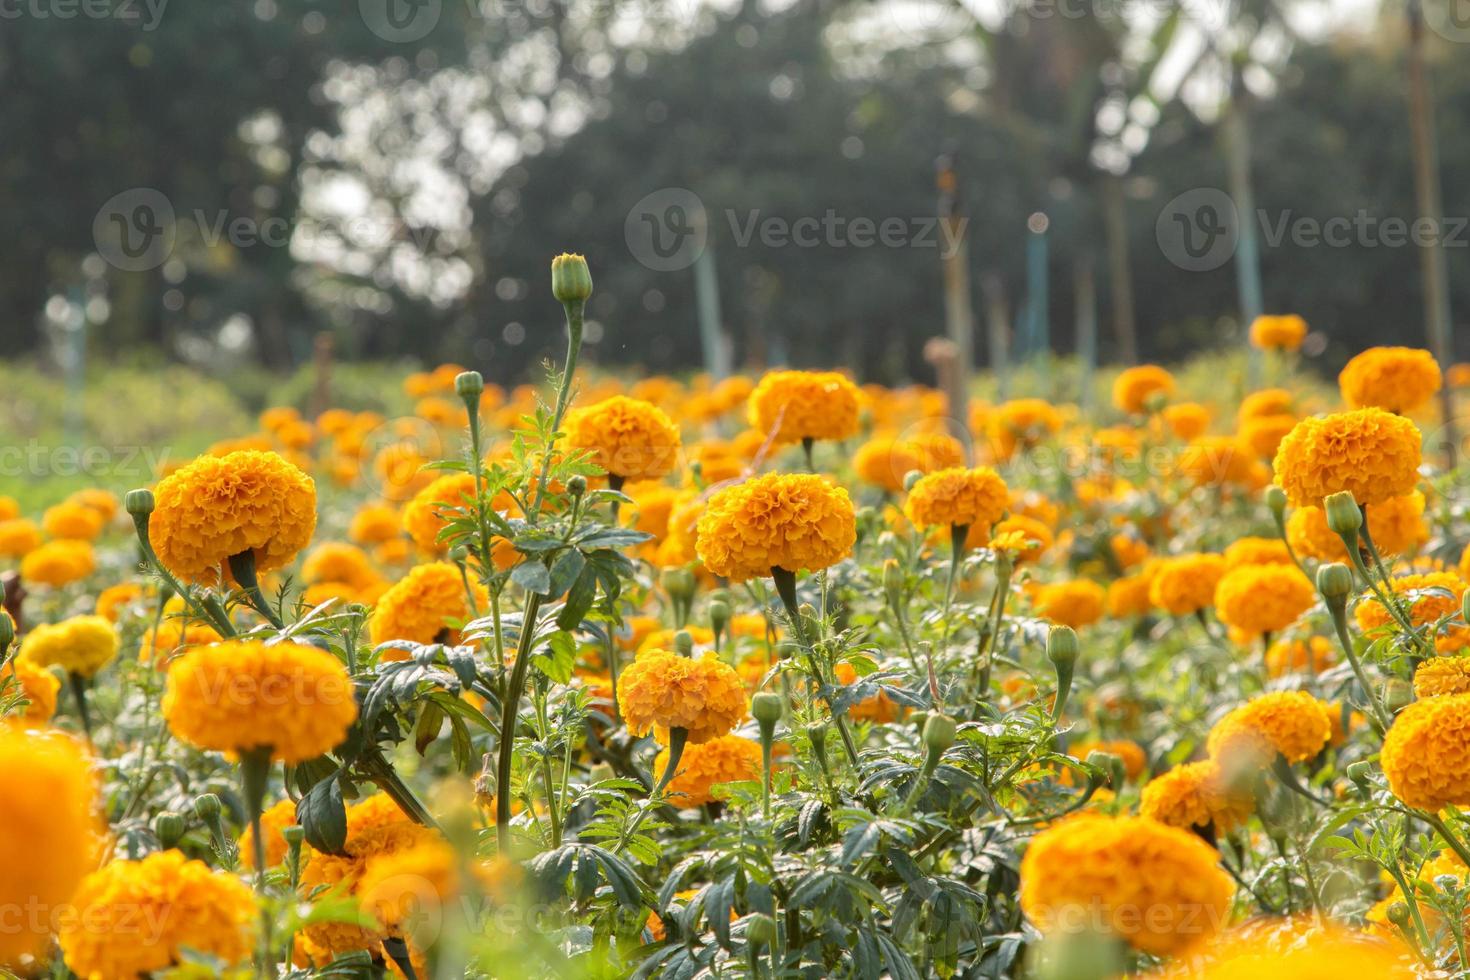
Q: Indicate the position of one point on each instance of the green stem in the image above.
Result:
(786, 589)
(574, 312)
(79, 693)
(255, 767)
(242, 567)
(509, 710)
(1338, 609)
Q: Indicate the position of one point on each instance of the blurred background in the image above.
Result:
(199, 199)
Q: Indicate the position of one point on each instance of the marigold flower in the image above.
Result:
(1426, 753)
(1369, 453)
(1439, 676)
(1291, 723)
(34, 683)
(1263, 403)
(431, 509)
(662, 690)
(1435, 595)
(1264, 434)
(58, 563)
(398, 888)
(1327, 952)
(1187, 420)
(1256, 551)
(81, 645)
(1077, 603)
(1136, 388)
(1218, 461)
(1129, 596)
(420, 607)
(1300, 656)
(336, 561)
(215, 508)
(184, 903)
(726, 759)
(1196, 795)
(273, 821)
(1035, 536)
(1158, 888)
(72, 520)
(18, 537)
(958, 497)
(1263, 598)
(631, 439)
(879, 708)
(787, 521)
(374, 524)
(51, 832)
(804, 405)
(1397, 526)
(1021, 424)
(1280, 332)
(1396, 379)
(1186, 584)
(239, 696)
(112, 600)
(174, 636)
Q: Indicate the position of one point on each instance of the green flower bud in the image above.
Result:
(168, 827)
(939, 733)
(766, 708)
(1061, 650)
(571, 280)
(892, 579)
(7, 631)
(1344, 516)
(719, 616)
(720, 595)
(787, 649)
(684, 643)
(1397, 694)
(138, 502)
(679, 583)
(1334, 580)
(469, 385)
(910, 478)
(293, 835)
(1398, 914)
(1360, 773)
(577, 485)
(760, 931)
(919, 719)
(1276, 500)
(1112, 773)
(206, 807)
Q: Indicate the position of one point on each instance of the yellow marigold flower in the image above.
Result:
(787, 521)
(1256, 551)
(1196, 795)
(431, 509)
(34, 683)
(1396, 379)
(1264, 434)
(1186, 584)
(1021, 424)
(1397, 526)
(1187, 420)
(1328, 952)
(1217, 461)
(1036, 537)
(1264, 403)
(662, 690)
(1439, 676)
(1369, 453)
(51, 833)
(440, 411)
(420, 607)
(1137, 388)
(374, 524)
(1263, 598)
(1077, 603)
(631, 439)
(1290, 723)
(1158, 888)
(237, 696)
(958, 497)
(1300, 656)
(18, 537)
(1435, 595)
(1426, 753)
(726, 759)
(218, 507)
(1280, 332)
(273, 822)
(81, 645)
(884, 461)
(112, 600)
(58, 563)
(1129, 596)
(652, 505)
(336, 561)
(804, 405)
(132, 918)
(9, 508)
(72, 520)
(173, 637)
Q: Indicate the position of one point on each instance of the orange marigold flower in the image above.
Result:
(787, 521)
(1314, 950)
(1426, 753)
(1280, 332)
(1256, 551)
(374, 524)
(1021, 424)
(1186, 584)
(805, 405)
(879, 708)
(187, 906)
(1266, 402)
(238, 696)
(1370, 453)
(1439, 676)
(958, 497)
(1397, 526)
(58, 563)
(1036, 537)
(662, 690)
(1129, 596)
(34, 683)
(431, 509)
(72, 520)
(1187, 420)
(1396, 379)
(1137, 389)
(172, 637)
(112, 600)
(81, 645)
(217, 507)
(337, 561)
(273, 822)
(1197, 795)
(420, 608)
(702, 767)
(18, 537)
(1105, 870)
(1263, 598)
(1433, 596)
(631, 439)
(1264, 434)
(1291, 723)
(1216, 461)
(1077, 603)
(1300, 656)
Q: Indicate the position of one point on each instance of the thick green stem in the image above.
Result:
(574, 313)
(242, 567)
(79, 693)
(510, 709)
(255, 767)
(1338, 609)
(786, 589)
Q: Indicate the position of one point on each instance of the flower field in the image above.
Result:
(778, 676)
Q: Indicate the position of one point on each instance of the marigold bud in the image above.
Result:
(7, 631)
(1398, 694)
(910, 478)
(1398, 914)
(1335, 580)
(293, 835)
(168, 827)
(760, 931)
(1359, 773)
(138, 502)
(206, 806)
(468, 385)
(679, 583)
(766, 707)
(571, 280)
(1111, 769)
(1276, 500)
(577, 485)
(719, 616)
(1344, 516)
(684, 643)
(939, 733)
